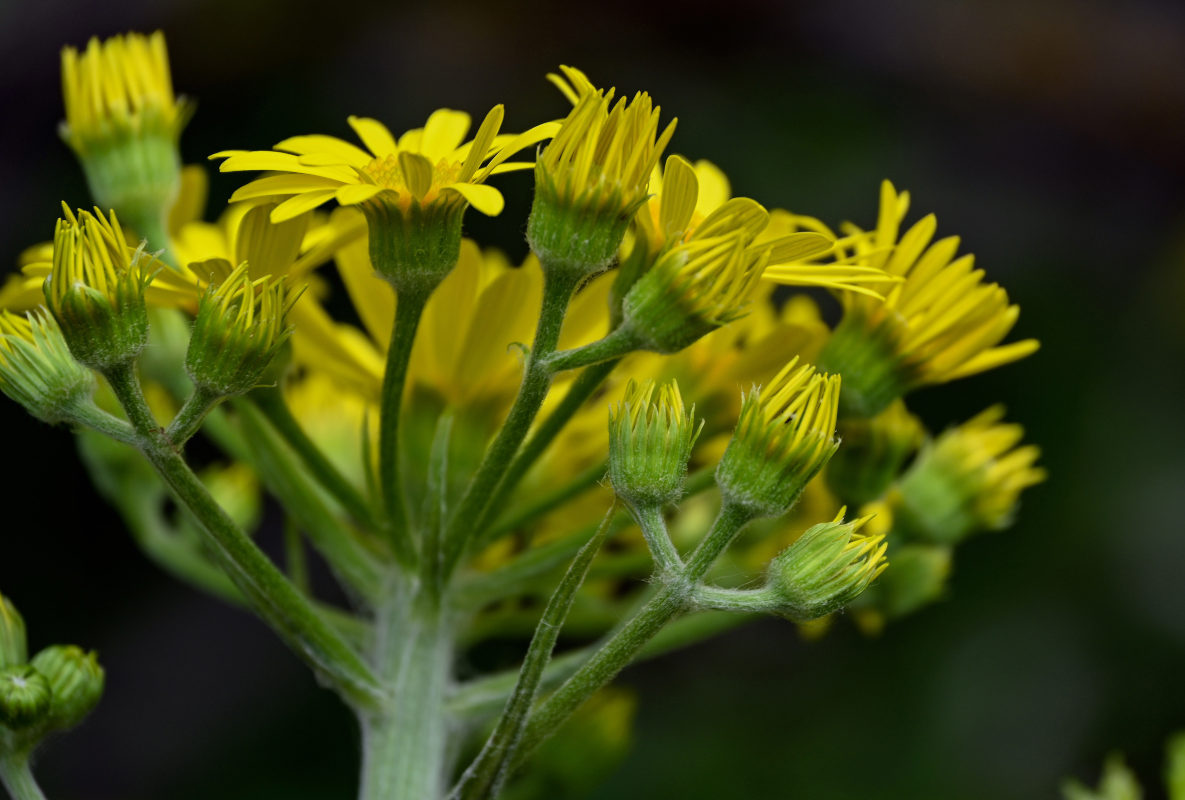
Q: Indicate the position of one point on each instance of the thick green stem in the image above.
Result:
(189, 417)
(580, 390)
(403, 335)
(272, 596)
(673, 598)
(488, 772)
(91, 416)
(557, 291)
(271, 402)
(405, 746)
(18, 778)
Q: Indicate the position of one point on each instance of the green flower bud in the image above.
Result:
(76, 679)
(592, 177)
(37, 370)
(240, 327)
(827, 568)
(785, 434)
(13, 650)
(650, 440)
(123, 122)
(968, 480)
(873, 452)
(95, 290)
(25, 697)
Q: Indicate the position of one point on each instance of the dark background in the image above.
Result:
(1050, 135)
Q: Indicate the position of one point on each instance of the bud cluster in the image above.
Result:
(650, 439)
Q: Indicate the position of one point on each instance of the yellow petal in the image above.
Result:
(680, 188)
(374, 135)
(485, 199)
(357, 193)
(314, 144)
(443, 133)
(417, 173)
(299, 204)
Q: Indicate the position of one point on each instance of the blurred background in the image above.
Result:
(1050, 135)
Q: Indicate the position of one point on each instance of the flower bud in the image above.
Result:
(785, 434)
(123, 123)
(76, 680)
(968, 480)
(24, 697)
(825, 569)
(240, 328)
(37, 370)
(95, 289)
(12, 635)
(650, 440)
(692, 290)
(873, 452)
(592, 177)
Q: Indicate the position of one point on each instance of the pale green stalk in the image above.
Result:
(18, 778)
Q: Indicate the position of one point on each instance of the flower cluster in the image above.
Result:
(450, 475)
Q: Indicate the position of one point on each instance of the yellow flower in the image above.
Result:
(693, 201)
(785, 434)
(942, 322)
(123, 122)
(423, 166)
(969, 479)
(95, 289)
(117, 88)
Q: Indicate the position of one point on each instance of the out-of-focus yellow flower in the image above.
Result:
(940, 323)
(969, 479)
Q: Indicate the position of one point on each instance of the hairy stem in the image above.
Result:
(272, 596)
(557, 291)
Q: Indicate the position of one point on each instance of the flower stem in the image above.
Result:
(557, 291)
(18, 778)
(272, 596)
(673, 598)
(580, 390)
(403, 334)
(189, 418)
(654, 528)
(488, 772)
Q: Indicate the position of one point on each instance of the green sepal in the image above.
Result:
(865, 355)
(576, 238)
(13, 647)
(414, 248)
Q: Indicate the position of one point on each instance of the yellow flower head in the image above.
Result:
(603, 152)
(240, 327)
(694, 288)
(969, 479)
(423, 166)
(37, 370)
(826, 568)
(123, 123)
(785, 434)
(693, 201)
(95, 289)
(119, 88)
(650, 440)
(940, 323)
